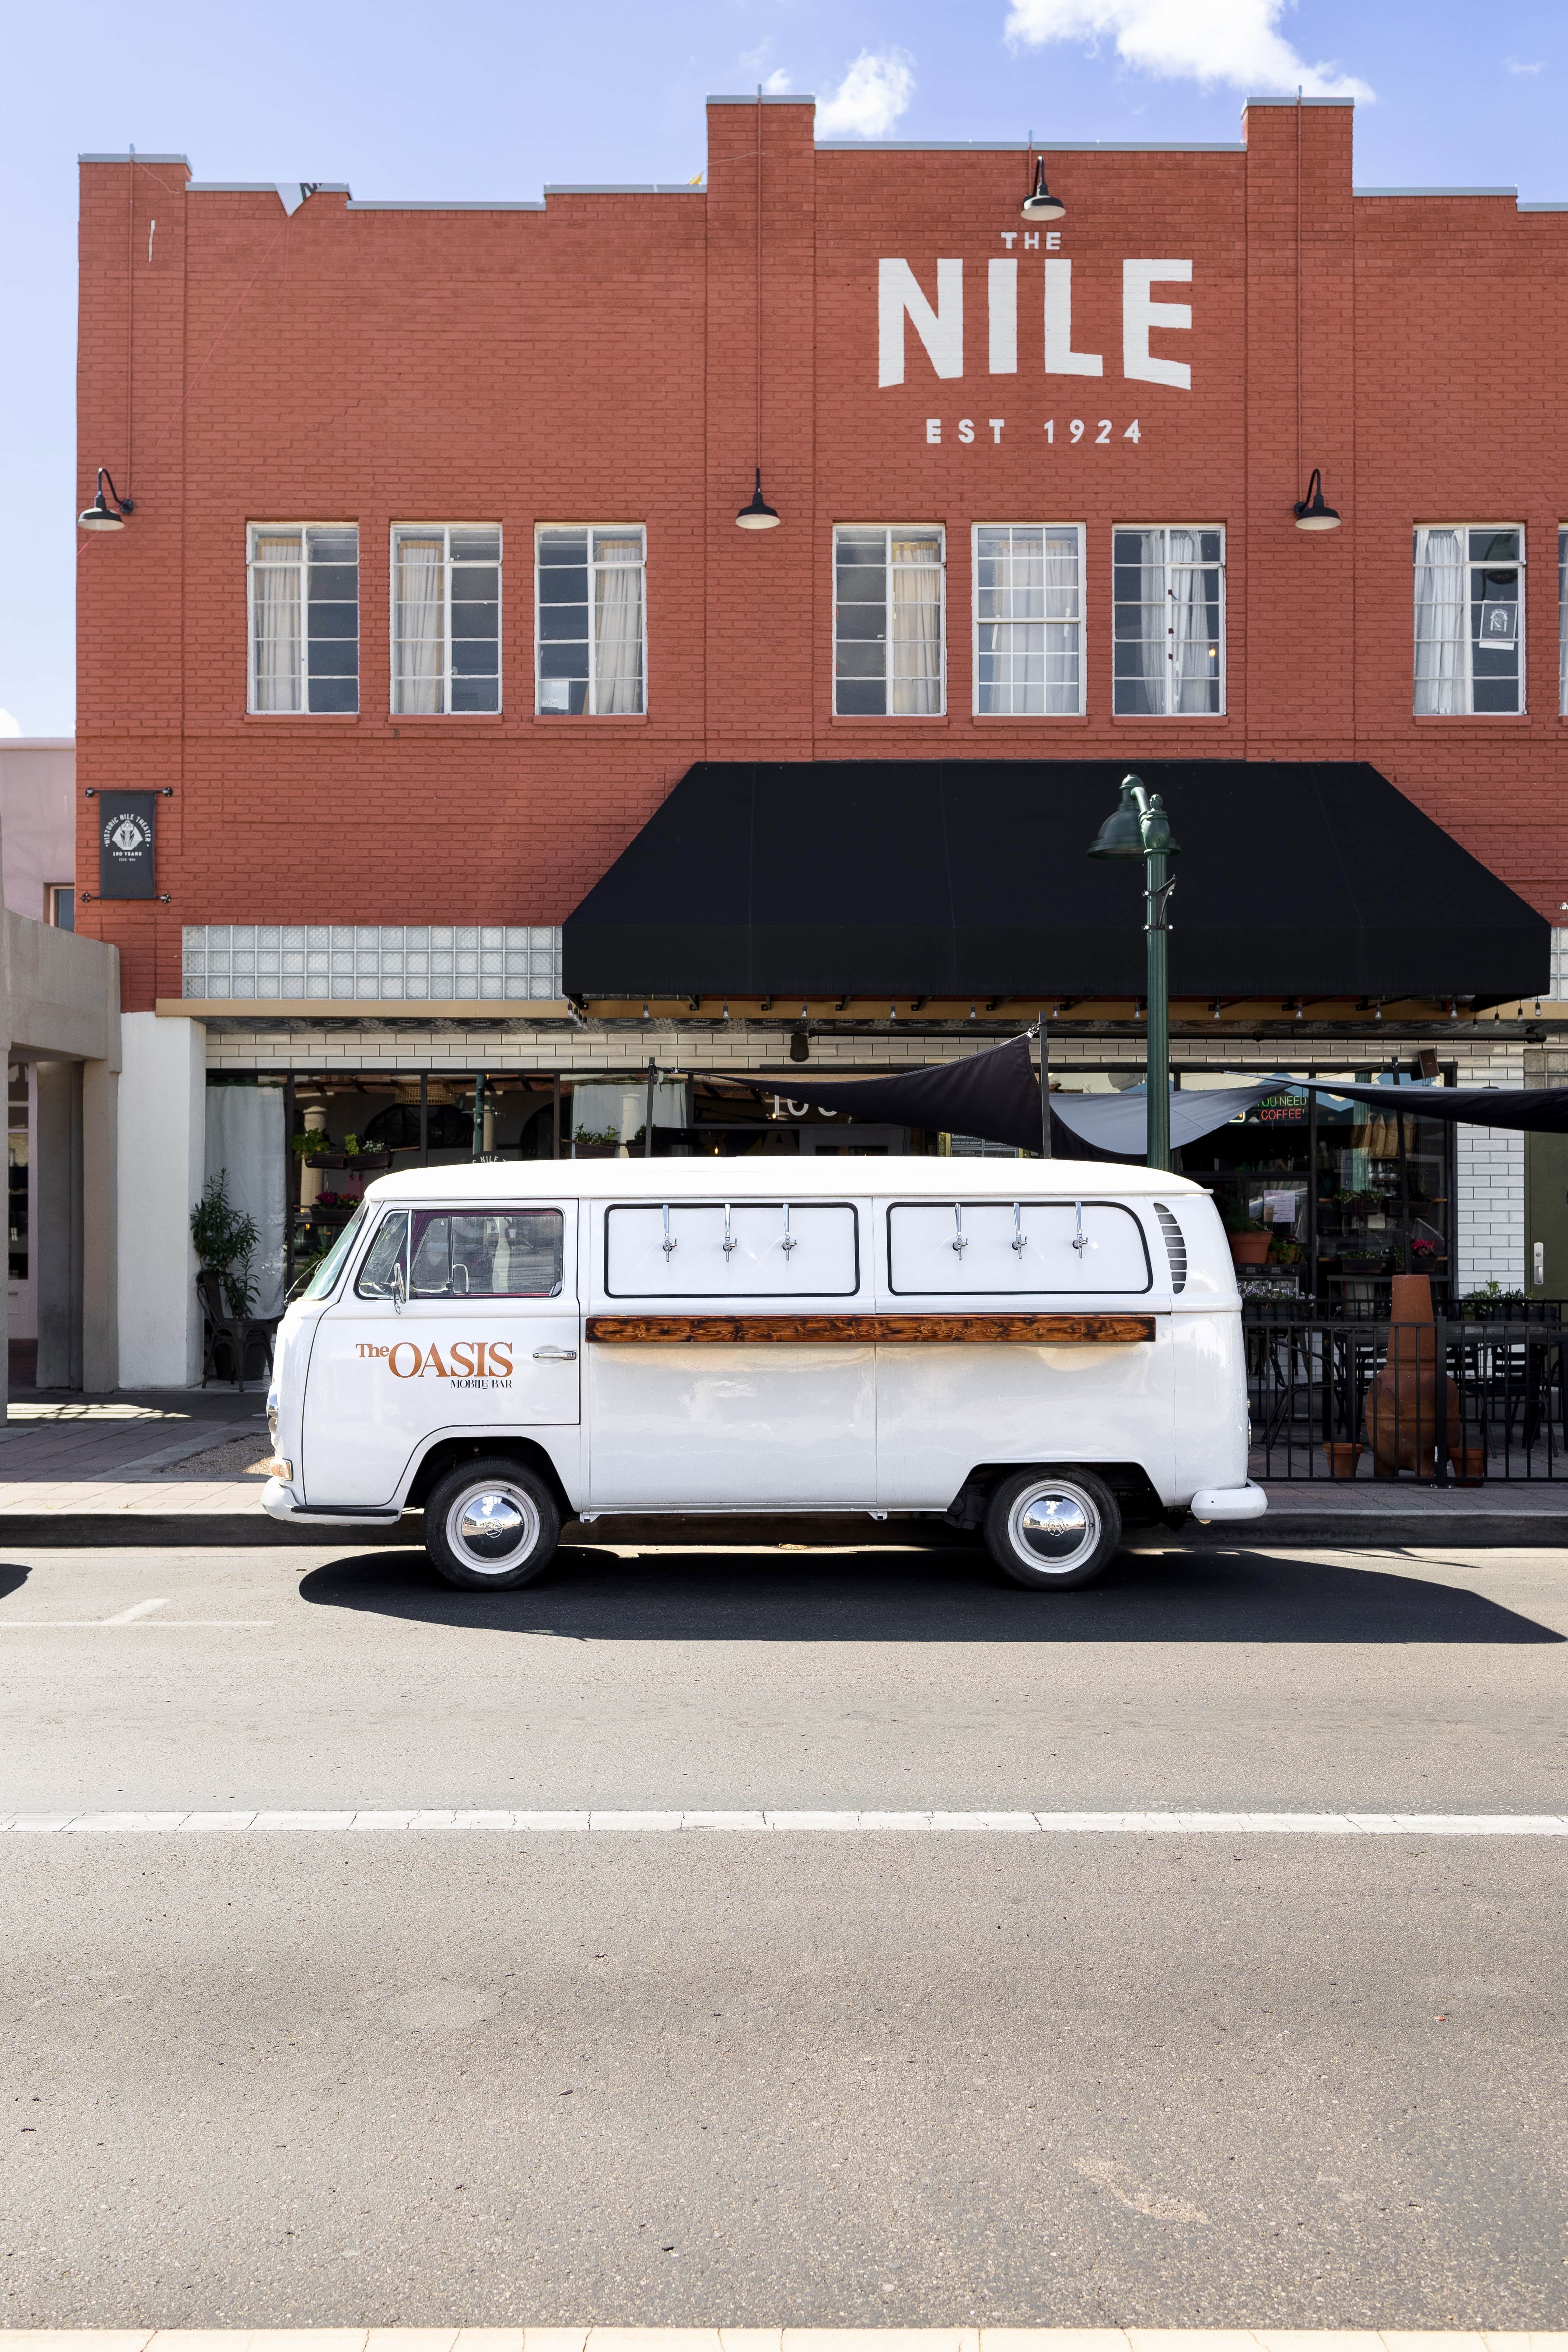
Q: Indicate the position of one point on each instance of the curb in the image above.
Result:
(1478, 1531)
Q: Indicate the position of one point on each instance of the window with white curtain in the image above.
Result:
(303, 588)
(1470, 619)
(889, 653)
(446, 619)
(1028, 619)
(590, 657)
(1562, 621)
(1168, 585)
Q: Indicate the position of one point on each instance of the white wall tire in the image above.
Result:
(490, 1525)
(1052, 1530)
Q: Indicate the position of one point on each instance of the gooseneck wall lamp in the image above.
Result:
(102, 515)
(1313, 513)
(1138, 827)
(1039, 204)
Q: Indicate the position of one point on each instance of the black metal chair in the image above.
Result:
(232, 1340)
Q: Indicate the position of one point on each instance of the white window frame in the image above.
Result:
(278, 530)
(1028, 718)
(611, 530)
(1176, 717)
(428, 530)
(1470, 564)
(892, 530)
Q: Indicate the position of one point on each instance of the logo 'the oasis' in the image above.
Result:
(467, 1363)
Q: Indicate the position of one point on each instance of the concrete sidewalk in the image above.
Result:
(183, 1467)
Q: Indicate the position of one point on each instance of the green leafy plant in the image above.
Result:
(312, 1141)
(225, 1242)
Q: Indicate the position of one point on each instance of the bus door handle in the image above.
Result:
(555, 1355)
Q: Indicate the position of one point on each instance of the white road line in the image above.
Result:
(137, 1609)
(135, 1617)
(856, 1824)
(776, 2339)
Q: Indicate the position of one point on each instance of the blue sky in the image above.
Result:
(474, 99)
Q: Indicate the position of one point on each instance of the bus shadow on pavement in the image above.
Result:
(948, 1594)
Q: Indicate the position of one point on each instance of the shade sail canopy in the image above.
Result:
(994, 1094)
(971, 878)
(1529, 1110)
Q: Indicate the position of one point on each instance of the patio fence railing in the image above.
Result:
(1456, 1402)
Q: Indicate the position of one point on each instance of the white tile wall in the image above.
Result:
(1489, 1212)
(371, 963)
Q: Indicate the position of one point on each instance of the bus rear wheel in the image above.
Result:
(1052, 1530)
(490, 1525)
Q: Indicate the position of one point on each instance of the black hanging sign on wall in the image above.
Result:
(125, 846)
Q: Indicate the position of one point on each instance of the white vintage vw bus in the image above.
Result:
(1046, 1353)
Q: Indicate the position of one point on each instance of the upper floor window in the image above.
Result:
(446, 618)
(1169, 591)
(1469, 617)
(304, 616)
(889, 642)
(1028, 619)
(591, 658)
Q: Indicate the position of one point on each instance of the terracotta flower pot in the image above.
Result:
(1411, 1391)
(1249, 1249)
(1471, 1465)
(1342, 1459)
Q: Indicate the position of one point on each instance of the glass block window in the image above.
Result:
(1028, 619)
(889, 651)
(1168, 584)
(590, 656)
(303, 598)
(446, 619)
(1470, 619)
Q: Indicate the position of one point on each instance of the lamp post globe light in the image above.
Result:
(1138, 827)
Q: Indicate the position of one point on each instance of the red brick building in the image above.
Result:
(1035, 483)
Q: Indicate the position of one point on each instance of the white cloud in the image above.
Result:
(1234, 41)
(1514, 67)
(777, 84)
(872, 95)
(9, 726)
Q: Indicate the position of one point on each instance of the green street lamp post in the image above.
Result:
(1138, 827)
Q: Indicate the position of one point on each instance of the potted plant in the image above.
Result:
(1248, 1239)
(226, 1243)
(597, 1143)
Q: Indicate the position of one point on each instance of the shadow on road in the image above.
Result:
(12, 1578)
(953, 1594)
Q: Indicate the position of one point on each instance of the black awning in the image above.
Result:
(970, 878)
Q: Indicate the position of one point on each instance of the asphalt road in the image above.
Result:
(409, 2079)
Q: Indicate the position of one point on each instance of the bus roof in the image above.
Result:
(768, 1176)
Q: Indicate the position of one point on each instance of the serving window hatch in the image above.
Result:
(741, 1249)
(1015, 1248)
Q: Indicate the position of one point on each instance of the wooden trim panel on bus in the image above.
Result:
(631, 1330)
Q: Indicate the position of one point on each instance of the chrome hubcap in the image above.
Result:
(493, 1529)
(1054, 1527)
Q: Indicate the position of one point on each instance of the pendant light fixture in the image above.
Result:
(101, 515)
(1313, 513)
(757, 515)
(1039, 204)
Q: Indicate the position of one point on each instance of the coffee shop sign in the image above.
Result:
(902, 302)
